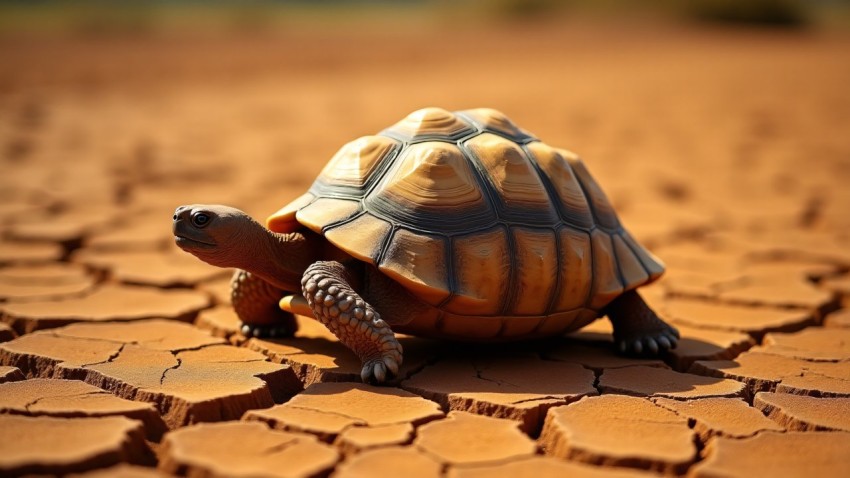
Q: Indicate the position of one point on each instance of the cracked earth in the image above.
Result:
(726, 153)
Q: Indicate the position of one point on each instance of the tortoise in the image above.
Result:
(452, 225)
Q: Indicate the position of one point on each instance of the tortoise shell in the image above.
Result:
(502, 234)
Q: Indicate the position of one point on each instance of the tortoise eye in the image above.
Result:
(200, 219)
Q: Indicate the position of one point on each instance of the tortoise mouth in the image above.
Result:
(184, 242)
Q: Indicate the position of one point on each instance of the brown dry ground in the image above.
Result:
(725, 151)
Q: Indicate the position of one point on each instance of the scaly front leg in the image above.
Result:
(327, 287)
(256, 303)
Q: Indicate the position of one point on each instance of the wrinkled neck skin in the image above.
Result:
(279, 259)
(287, 256)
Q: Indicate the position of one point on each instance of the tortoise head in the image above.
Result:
(218, 235)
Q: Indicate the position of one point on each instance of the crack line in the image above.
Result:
(173, 367)
(539, 399)
(280, 447)
(110, 359)
(93, 392)
(357, 420)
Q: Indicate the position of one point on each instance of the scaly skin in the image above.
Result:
(256, 304)
(327, 287)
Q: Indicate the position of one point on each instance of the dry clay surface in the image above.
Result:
(725, 153)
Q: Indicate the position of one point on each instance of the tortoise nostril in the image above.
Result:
(177, 212)
(174, 218)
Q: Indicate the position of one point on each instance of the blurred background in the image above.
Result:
(693, 115)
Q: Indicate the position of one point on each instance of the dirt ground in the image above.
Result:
(724, 151)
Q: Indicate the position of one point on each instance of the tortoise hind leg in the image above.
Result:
(327, 286)
(637, 328)
(256, 304)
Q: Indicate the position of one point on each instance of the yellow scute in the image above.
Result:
(283, 220)
(418, 261)
(436, 121)
(355, 162)
(432, 174)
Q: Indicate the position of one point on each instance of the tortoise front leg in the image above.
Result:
(256, 304)
(637, 328)
(327, 286)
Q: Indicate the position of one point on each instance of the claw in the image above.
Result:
(637, 346)
(651, 345)
(392, 365)
(664, 342)
(374, 372)
(266, 331)
(380, 372)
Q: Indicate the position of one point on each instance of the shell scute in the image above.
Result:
(560, 175)
(420, 261)
(521, 326)
(630, 266)
(432, 184)
(606, 275)
(559, 323)
(482, 269)
(575, 264)
(653, 265)
(355, 163)
(536, 270)
(495, 121)
(284, 220)
(603, 211)
(429, 123)
(362, 237)
(325, 211)
(520, 191)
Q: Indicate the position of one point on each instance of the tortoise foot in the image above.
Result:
(380, 370)
(638, 331)
(256, 303)
(648, 344)
(275, 331)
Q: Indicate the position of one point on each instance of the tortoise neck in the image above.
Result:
(280, 259)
